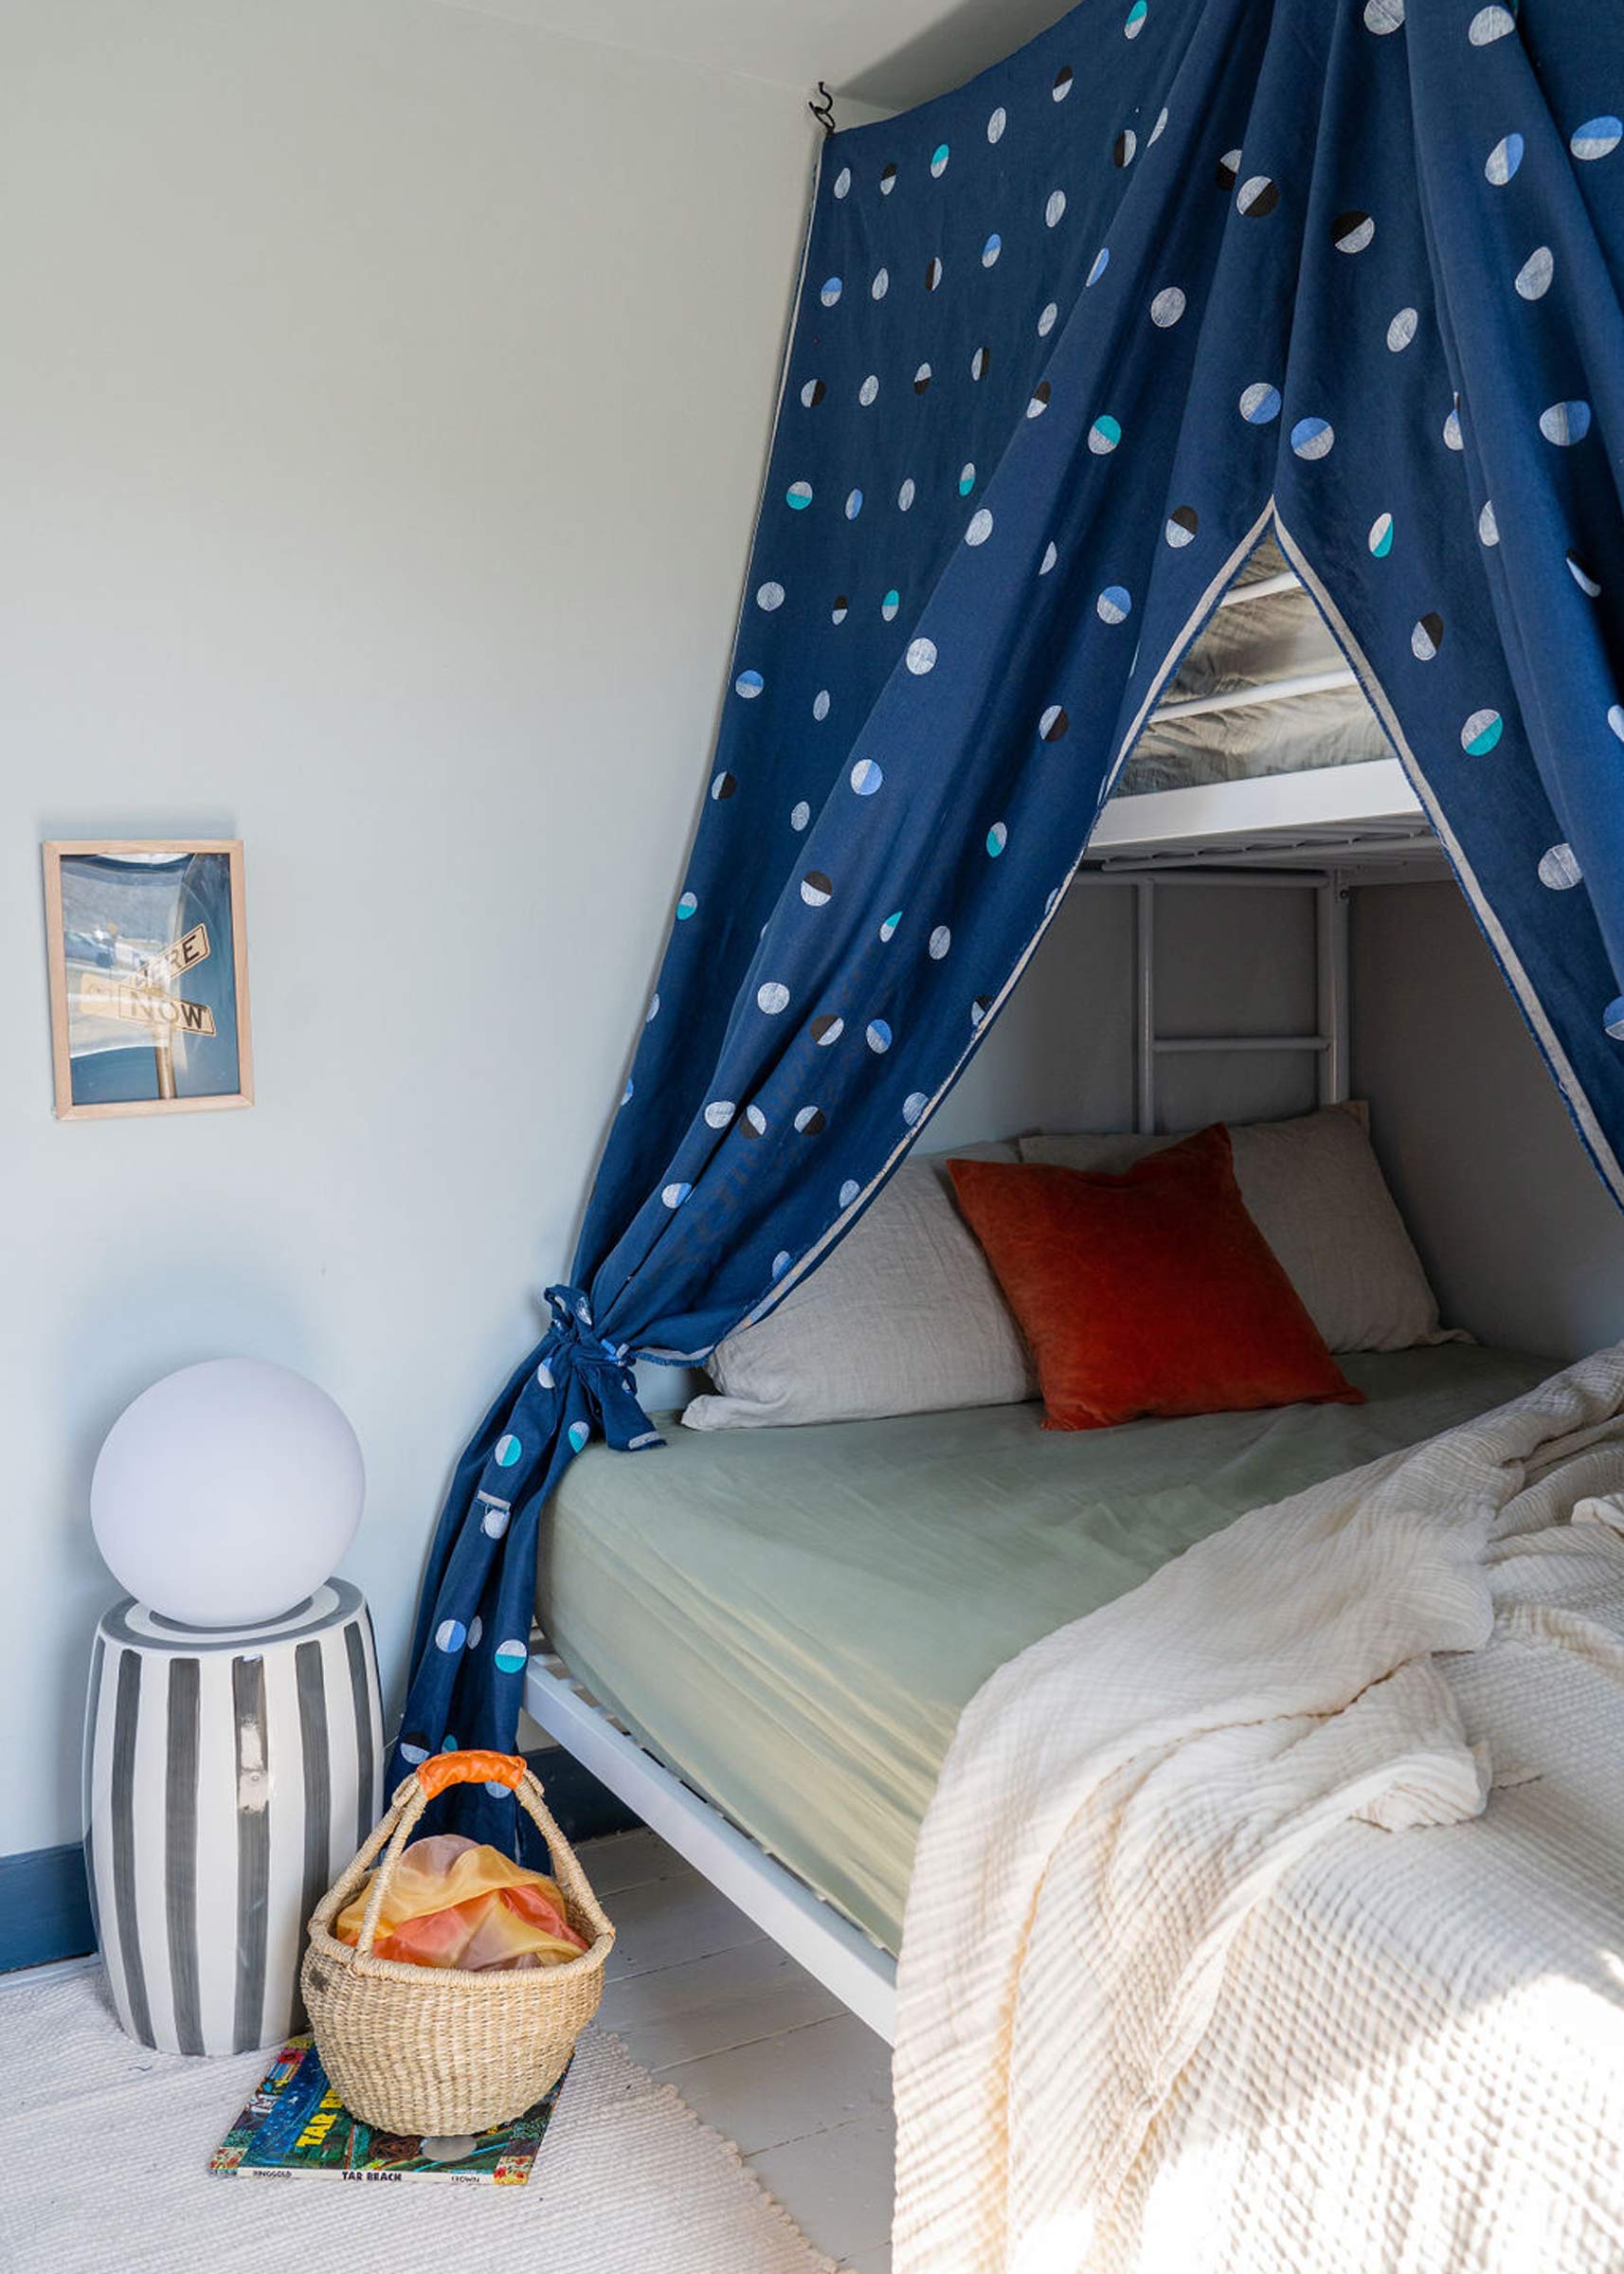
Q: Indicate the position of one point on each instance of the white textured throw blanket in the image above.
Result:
(1221, 1957)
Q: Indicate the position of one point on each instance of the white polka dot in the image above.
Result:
(820, 704)
(1401, 330)
(770, 597)
(996, 125)
(494, 1523)
(913, 1105)
(1168, 307)
(881, 284)
(921, 656)
(941, 940)
(906, 496)
(1534, 277)
(848, 1190)
(1383, 16)
(1559, 869)
(720, 1111)
(1046, 321)
(869, 390)
(1488, 526)
(1056, 207)
(1050, 557)
(980, 528)
(772, 996)
(799, 814)
(842, 181)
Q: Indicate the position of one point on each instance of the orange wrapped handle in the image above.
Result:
(443, 1769)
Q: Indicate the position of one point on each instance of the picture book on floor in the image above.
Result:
(297, 2127)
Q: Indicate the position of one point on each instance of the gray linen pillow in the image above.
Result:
(1315, 1190)
(904, 1317)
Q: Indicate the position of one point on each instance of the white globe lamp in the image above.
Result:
(227, 1492)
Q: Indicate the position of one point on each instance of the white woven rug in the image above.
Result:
(104, 2145)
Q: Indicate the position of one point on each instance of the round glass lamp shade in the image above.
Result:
(226, 1492)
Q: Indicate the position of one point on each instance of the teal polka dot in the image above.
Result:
(939, 160)
(511, 1655)
(1481, 733)
(508, 1451)
(686, 907)
(997, 837)
(1104, 436)
(579, 1433)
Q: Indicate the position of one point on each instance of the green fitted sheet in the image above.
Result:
(794, 1618)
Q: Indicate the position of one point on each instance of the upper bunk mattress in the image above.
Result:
(794, 1618)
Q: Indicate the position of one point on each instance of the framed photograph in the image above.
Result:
(148, 976)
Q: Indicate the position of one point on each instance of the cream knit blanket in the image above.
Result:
(1173, 2000)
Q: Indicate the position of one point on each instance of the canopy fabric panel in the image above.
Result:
(1068, 342)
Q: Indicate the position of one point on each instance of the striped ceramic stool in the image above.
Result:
(229, 1776)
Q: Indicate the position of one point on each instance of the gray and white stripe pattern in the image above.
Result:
(228, 1779)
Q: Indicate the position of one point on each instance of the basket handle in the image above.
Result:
(430, 1778)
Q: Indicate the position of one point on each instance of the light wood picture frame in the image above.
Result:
(148, 956)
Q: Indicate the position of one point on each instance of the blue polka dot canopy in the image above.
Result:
(1068, 342)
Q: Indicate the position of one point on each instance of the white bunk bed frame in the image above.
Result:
(1322, 830)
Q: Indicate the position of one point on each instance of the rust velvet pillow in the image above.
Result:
(1150, 1293)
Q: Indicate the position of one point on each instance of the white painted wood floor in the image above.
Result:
(763, 2052)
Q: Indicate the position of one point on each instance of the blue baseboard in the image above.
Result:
(45, 1907)
(44, 1904)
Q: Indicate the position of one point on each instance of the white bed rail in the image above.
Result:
(814, 1934)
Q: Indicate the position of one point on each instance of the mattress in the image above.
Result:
(794, 1618)
(1242, 648)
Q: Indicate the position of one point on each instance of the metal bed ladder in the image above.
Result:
(1329, 1041)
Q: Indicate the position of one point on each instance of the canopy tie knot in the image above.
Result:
(570, 1343)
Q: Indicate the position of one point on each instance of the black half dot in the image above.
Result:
(841, 607)
(921, 382)
(980, 1008)
(1226, 174)
(1042, 391)
(888, 174)
(1583, 574)
(1121, 150)
(752, 1122)
(1058, 725)
(812, 1123)
(1263, 200)
(932, 274)
(815, 881)
(1063, 77)
(1347, 224)
(1185, 516)
(1431, 628)
(723, 786)
(824, 1023)
(412, 1740)
(816, 396)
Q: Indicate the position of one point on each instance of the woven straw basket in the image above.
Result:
(429, 2048)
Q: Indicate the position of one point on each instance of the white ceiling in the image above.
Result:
(884, 53)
